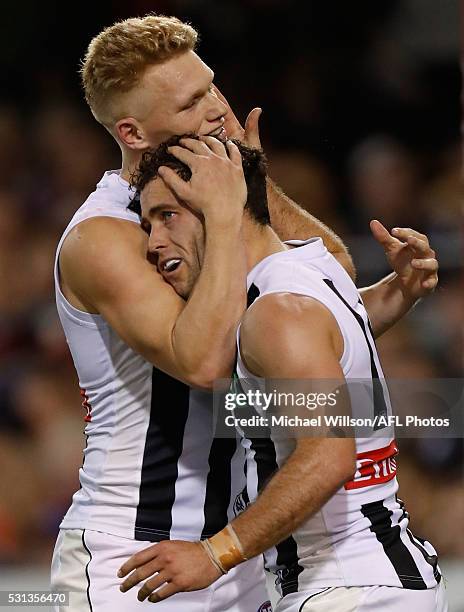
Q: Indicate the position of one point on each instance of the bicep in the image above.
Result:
(105, 262)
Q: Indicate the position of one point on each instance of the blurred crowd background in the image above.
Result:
(361, 120)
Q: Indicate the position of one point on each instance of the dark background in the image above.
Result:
(361, 120)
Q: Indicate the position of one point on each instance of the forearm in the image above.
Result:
(290, 221)
(204, 336)
(386, 303)
(295, 493)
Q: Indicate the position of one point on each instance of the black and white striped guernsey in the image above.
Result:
(152, 469)
(360, 537)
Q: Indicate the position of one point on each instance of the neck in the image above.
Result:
(130, 161)
(260, 240)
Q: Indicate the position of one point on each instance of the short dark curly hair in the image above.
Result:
(254, 168)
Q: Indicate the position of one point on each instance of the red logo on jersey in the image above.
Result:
(374, 467)
(86, 405)
(265, 607)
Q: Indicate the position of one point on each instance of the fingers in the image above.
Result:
(420, 246)
(164, 593)
(430, 283)
(381, 234)
(204, 146)
(215, 145)
(402, 233)
(252, 128)
(172, 180)
(426, 265)
(140, 558)
(429, 268)
(234, 153)
(139, 574)
(151, 585)
(189, 149)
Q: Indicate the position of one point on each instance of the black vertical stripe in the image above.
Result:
(380, 406)
(389, 536)
(218, 486)
(163, 447)
(253, 293)
(87, 570)
(287, 550)
(266, 466)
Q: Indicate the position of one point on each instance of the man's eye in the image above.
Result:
(191, 104)
(167, 214)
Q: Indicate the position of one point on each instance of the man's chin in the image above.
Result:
(181, 289)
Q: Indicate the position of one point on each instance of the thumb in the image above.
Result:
(252, 128)
(382, 235)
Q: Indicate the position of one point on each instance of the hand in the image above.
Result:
(411, 257)
(217, 187)
(250, 135)
(179, 566)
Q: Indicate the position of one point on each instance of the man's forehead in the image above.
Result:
(155, 193)
(181, 75)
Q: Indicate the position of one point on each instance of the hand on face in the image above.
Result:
(217, 188)
(179, 566)
(248, 135)
(411, 257)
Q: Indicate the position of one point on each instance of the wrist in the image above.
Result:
(224, 549)
(224, 220)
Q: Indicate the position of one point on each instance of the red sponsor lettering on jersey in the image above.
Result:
(86, 405)
(374, 467)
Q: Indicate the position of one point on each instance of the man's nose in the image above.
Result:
(217, 108)
(157, 241)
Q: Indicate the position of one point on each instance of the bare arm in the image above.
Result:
(302, 340)
(288, 219)
(282, 337)
(104, 268)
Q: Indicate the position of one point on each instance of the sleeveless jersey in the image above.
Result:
(152, 469)
(360, 536)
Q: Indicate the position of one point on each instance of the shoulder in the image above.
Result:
(100, 233)
(290, 328)
(102, 254)
(287, 310)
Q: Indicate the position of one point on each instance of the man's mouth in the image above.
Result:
(220, 133)
(169, 265)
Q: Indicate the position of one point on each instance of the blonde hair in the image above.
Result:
(117, 58)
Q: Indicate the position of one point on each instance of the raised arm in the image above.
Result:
(288, 219)
(104, 269)
(414, 276)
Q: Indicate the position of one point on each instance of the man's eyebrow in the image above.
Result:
(155, 208)
(198, 92)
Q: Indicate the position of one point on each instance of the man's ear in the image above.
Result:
(130, 133)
